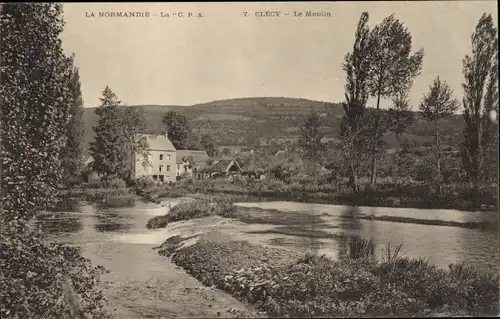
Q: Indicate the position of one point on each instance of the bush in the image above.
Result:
(316, 286)
(95, 183)
(191, 210)
(33, 274)
(117, 183)
(143, 185)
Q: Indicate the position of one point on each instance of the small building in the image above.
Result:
(222, 168)
(158, 161)
(189, 162)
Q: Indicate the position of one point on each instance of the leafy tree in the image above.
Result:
(480, 135)
(399, 117)
(312, 148)
(177, 128)
(392, 68)
(356, 65)
(435, 105)
(72, 153)
(109, 148)
(134, 125)
(35, 94)
(253, 133)
(208, 144)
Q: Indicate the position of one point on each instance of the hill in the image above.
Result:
(243, 120)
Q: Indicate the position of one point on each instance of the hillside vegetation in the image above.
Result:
(279, 118)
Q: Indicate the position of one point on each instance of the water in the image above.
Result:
(118, 239)
(329, 229)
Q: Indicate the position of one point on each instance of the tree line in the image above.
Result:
(381, 66)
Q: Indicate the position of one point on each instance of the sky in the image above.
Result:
(184, 61)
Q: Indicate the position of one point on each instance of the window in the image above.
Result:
(161, 168)
(161, 157)
(168, 168)
(162, 178)
(168, 157)
(155, 177)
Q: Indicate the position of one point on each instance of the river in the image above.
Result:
(116, 237)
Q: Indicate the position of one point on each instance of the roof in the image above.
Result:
(223, 165)
(158, 142)
(198, 156)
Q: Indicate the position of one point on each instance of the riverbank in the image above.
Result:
(283, 284)
(174, 294)
(228, 254)
(238, 212)
(415, 196)
(98, 195)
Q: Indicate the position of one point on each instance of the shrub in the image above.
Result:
(361, 248)
(191, 210)
(143, 185)
(316, 286)
(225, 209)
(33, 273)
(117, 183)
(95, 183)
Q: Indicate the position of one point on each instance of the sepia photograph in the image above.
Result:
(322, 159)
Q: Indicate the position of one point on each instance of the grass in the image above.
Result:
(284, 285)
(190, 210)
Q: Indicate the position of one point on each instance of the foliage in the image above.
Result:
(178, 129)
(480, 135)
(36, 97)
(209, 144)
(117, 183)
(356, 65)
(109, 146)
(316, 286)
(133, 124)
(310, 144)
(33, 273)
(435, 105)
(392, 68)
(439, 102)
(400, 115)
(191, 210)
(73, 152)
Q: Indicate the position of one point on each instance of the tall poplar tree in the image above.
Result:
(72, 155)
(356, 65)
(480, 134)
(392, 67)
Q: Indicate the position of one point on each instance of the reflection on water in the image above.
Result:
(334, 227)
(59, 223)
(112, 221)
(116, 237)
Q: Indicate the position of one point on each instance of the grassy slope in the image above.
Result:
(277, 117)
